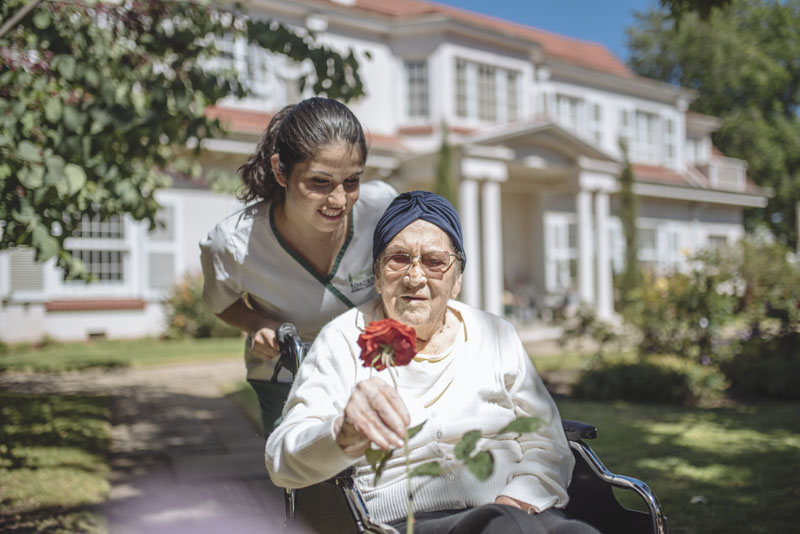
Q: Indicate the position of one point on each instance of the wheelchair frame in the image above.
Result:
(591, 496)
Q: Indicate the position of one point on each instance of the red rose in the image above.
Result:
(387, 342)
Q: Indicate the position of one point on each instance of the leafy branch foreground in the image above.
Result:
(480, 463)
(100, 100)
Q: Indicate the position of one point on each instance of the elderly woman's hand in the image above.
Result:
(375, 413)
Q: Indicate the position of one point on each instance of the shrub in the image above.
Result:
(766, 367)
(682, 314)
(188, 316)
(658, 379)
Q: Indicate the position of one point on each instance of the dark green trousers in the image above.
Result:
(271, 398)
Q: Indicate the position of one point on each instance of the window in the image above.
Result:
(417, 85)
(626, 130)
(661, 247)
(717, 240)
(568, 111)
(512, 91)
(271, 79)
(669, 142)
(94, 228)
(461, 88)
(561, 245)
(646, 143)
(103, 265)
(486, 93)
(596, 123)
(101, 246)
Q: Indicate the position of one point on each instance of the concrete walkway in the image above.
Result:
(184, 458)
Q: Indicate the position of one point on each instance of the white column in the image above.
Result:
(583, 201)
(470, 223)
(492, 248)
(605, 283)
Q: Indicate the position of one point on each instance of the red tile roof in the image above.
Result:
(582, 53)
(68, 305)
(661, 175)
(240, 120)
(255, 122)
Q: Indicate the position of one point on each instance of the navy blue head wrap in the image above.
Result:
(407, 208)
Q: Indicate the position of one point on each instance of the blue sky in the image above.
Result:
(602, 21)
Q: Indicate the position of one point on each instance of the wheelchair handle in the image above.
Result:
(292, 350)
(286, 330)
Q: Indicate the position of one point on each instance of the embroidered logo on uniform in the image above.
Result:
(361, 280)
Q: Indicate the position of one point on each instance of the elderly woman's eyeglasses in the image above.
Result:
(431, 262)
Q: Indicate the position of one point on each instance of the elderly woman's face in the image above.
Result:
(418, 296)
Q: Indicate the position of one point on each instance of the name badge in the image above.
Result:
(361, 280)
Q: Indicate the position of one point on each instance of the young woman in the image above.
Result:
(300, 252)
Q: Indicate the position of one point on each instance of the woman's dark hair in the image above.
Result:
(296, 133)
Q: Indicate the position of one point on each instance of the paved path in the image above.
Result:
(184, 458)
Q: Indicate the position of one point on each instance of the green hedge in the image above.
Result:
(657, 379)
(766, 367)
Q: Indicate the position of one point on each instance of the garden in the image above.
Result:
(694, 392)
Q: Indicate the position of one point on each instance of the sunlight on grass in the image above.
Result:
(53, 462)
(714, 470)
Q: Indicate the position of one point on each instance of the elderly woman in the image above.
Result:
(470, 372)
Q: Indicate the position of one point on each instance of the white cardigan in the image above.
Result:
(486, 382)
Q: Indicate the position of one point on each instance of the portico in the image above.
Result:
(520, 194)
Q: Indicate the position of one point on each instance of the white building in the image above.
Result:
(534, 119)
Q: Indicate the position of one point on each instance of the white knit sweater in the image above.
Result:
(485, 382)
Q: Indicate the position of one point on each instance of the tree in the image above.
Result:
(743, 62)
(679, 8)
(628, 213)
(444, 169)
(99, 99)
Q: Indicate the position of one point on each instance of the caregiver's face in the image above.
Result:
(418, 295)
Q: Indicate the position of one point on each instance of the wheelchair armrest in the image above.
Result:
(576, 430)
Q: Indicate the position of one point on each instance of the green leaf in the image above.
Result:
(32, 177)
(27, 151)
(53, 109)
(414, 430)
(377, 458)
(66, 66)
(467, 444)
(55, 169)
(41, 19)
(4, 140)
(46, 245)
(139, 101)
(523, 425)
(73, 118)
(75, 178)
(481, 465)
(427, 469)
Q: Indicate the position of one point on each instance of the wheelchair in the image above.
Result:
(591, 490)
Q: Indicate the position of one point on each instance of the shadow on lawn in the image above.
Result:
(715, 470)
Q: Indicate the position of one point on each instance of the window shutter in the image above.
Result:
(25, 273)
(161, 269)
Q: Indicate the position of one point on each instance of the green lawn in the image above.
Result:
(53, 462)
(740, 465)
(119, 353)
(733, 469)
